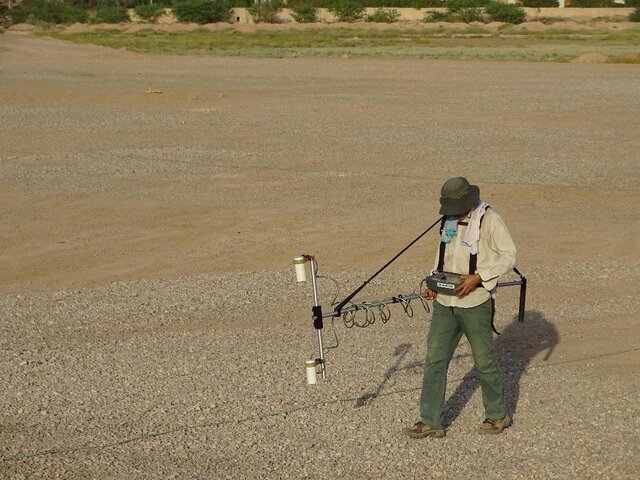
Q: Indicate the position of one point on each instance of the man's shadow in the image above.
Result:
(517, 345)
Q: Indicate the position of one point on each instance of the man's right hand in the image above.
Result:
(430, 294)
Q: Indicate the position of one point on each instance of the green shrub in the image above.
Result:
(466, 10)
(423, 4)
(540, 3)
(436, 16)
(71, 14)
(110, 14)
(164, 3)
(635, 15)
(266, 11)
(202, 11)
(402, 3)
(5, 16)
(384, 15)
(592, 4)
(632, 3)
(148, 12)
(347, 10)
(55, 11)
(468, 15)
(314, 3)
(371, 3)
(304, 13)
(455, 6)
(459, 11)
(134, 3)
(503, 12)
(85, 4)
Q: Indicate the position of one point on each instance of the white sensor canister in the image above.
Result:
(301, 274)
(310, 366)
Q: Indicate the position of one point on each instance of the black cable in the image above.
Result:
(366, 282)
(337, 285)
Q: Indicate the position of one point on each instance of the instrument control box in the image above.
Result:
(444, 282)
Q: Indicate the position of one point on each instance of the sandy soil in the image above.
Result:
(267, 151)
(241, 164)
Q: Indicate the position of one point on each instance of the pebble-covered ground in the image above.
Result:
(151, 322)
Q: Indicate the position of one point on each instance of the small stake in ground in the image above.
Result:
(151, 90)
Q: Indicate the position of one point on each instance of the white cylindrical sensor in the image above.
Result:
(301, 274)
(310, 366)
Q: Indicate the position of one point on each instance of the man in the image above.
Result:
(474, 242)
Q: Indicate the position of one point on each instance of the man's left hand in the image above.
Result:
(468, 285)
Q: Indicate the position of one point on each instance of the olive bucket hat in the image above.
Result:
(458, 196)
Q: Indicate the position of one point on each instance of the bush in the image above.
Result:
(347, 10)
(632, 3)
(266, 12)
(55, 11)
(403, 3)
(384, 15)
(592, 4)
(202, 11)
(110, 14)
(148, 12)
(540, 3)
(304, 13)
(503, 12)
(468, 15)
(313, 3)
(5, 16)
(85, 4)
(466, 10)
(371, 3)
(635, 15)
(423, 4)
(455, 6)
(435, 16)
(71, 14)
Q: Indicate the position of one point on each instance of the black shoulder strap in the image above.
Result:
(473, 263)
(442, 246)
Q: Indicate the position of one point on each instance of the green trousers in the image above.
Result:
(447, 326)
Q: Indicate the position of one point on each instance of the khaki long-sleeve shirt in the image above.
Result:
(496, 256)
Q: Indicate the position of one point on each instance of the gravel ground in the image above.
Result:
(152, 327)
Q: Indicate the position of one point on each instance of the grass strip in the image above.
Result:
(471, 43)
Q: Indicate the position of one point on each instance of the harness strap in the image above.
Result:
(442, 246)
(473, 263)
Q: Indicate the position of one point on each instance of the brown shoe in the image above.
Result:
(495, 426)
(421, 430)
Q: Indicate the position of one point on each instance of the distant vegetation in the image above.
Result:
(304, 13)
(266, 11)
(269, 11)
(202, 11)
(148, 12)
(49, 11)
(347, 10)
(383, 15)
(540, 3)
